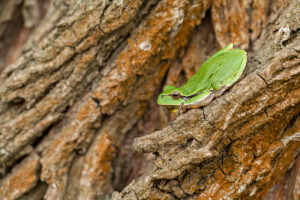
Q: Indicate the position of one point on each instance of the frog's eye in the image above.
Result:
(175, 95)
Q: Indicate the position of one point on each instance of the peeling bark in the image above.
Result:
(79, 94)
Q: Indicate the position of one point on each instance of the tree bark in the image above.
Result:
(86, 84)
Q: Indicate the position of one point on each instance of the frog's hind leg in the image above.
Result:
(216, 83)
(220, 91)
(238, 75)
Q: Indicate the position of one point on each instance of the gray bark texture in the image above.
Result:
(78, 89)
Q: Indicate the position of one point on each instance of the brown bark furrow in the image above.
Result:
(195, 54)
(24, 177)
(128, 66)
(69, 103)
(173, 159)
(56, 12)
(18, 18)
(151, 46)
(268, 96)
(20, 155)
(58, 40)
(58, 154)
(294, 186)
(35, 193)
(32, 90)
(30, 124)
(130, 71)
(240, 152)
(96, 166)
(27, 83)
(288, 187)
(240, 157)
(241, 22)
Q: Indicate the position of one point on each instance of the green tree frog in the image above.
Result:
(215, 75)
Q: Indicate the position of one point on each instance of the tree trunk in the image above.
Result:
(84, 90)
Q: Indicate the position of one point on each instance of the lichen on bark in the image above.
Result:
(71, 105)
(235, 147)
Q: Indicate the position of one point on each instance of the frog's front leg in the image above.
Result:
(182, 109)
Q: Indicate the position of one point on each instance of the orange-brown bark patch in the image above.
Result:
(23, 178)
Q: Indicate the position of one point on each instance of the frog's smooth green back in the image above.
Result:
(203, 79)
(222, 69)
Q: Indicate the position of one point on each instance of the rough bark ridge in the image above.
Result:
(86, 77)
(85, 71)
(18, 19)
(243, 142)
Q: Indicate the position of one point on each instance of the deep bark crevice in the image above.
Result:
(86, 87)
